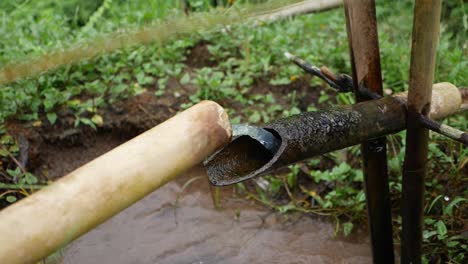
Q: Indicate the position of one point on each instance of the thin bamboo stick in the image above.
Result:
(445, 130)
(423, 58)
(49, 219)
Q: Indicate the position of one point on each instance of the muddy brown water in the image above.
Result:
(154, 230)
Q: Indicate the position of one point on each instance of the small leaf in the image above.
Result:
(30, 178)
(185, 79)
(433, 203)
(14, 173)
(159, 92)
(3, 153)
(294, 111)
(11, 199)
(449, 209)
(347, 228)
(441, 229)
(429, 234)
(87, 121)
(292, 177)
(74, 103)
(452, 243)
(6, 139)
(97, 119)
(13, 148)
(37, 123)
(52, 117)
(241, 187)
(255, 117)
(162, 83)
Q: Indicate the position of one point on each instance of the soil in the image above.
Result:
(199, 56)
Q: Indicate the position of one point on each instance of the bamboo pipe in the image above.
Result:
(44, 222)
(309, 134)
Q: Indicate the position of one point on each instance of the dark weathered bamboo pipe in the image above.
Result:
(423, 58)
(361, 25)
(314, 133)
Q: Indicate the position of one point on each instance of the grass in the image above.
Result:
(241, 57)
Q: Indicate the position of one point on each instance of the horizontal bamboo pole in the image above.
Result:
(160, 32)
(309, 134)
(49, 219)
(301, 8)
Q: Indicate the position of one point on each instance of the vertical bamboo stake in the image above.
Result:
(423, 57)
(361, 24)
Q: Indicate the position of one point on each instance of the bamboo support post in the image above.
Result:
(44, 222)
(361, 24)
(423, 58)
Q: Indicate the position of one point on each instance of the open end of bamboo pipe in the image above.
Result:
(244, 158)
(309, 134)
(44, 222)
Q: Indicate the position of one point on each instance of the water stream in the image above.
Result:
(155, 231)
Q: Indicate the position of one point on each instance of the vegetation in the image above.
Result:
(244, 69)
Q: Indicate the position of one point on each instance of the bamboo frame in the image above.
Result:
(40, 224)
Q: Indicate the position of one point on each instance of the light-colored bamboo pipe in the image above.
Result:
(49, 219)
